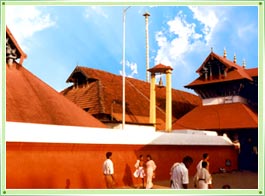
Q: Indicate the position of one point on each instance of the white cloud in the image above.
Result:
(245, 32)
(171, 52)
(208, 19)
(92, 10)
(133, 69)
(24, 21)
(183, 36)
(184, 40)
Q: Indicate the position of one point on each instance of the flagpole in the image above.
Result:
(123, 69)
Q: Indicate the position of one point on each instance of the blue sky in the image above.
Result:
(58, 38)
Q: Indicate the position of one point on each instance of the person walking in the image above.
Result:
(180, 174)
(139, 172)
(202, 178)
(205, 157)
(150, 168)
(108, 171)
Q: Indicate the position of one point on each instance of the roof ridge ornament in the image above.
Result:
(225, 54)
(234, 61)
(244, 64)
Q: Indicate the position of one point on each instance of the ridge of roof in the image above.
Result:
(220, 58)
(90, 73)
(237, 73)
(239, 68)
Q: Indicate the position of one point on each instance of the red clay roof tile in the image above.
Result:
(219, 117)
(107, 97)
(30, 100)
(160, 68)
(253, 72)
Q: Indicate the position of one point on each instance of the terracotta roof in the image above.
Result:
(160, 68)
(103, 94)
(235, 72)
(253, 72)
(219, 117)
(30, 100)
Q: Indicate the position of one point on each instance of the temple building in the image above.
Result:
(100, 94)
(229, 94)
(30, 100)
(51, 143)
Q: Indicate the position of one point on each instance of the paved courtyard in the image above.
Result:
(236, 180)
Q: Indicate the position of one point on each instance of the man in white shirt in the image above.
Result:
(205, 157)
(108, 171)
(180, 174)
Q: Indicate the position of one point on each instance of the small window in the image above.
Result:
(86, 109)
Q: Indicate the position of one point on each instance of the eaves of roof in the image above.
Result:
(219, 117)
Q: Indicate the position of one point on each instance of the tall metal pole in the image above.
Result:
(146, 15)
(123, 69)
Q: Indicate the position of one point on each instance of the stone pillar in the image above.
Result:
(153, 99)
(168, 101)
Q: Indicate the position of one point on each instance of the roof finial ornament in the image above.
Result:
(244, 64)
(224, 53)
(234, 61)
(211, 49)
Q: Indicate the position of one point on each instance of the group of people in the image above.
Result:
(150, 168)
(140, 167)
(179, 172)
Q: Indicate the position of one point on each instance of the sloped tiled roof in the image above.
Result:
(103, 94)
(30, 100)
(235, 72)
(160, 68)
(253, 72)
(219, 117)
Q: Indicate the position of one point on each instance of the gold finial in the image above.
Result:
(234, 58)
(224, 53)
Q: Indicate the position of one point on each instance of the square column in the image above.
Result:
(168, 101)
(152, 99)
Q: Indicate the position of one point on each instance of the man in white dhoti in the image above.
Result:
(202, 178)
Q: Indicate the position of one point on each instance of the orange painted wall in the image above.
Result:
(49, 165)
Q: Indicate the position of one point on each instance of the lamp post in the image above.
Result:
(123, 69)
